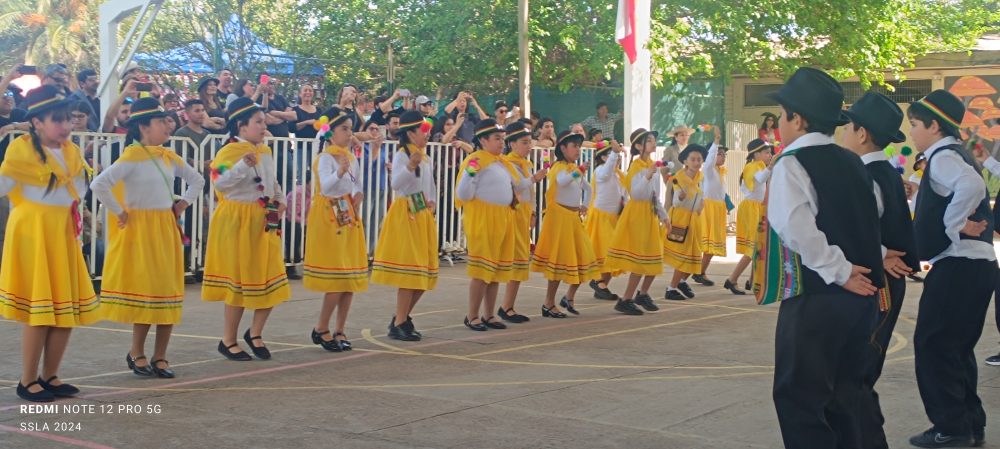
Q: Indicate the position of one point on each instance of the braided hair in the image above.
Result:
(58, 115)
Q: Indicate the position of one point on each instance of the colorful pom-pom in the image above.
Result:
(902, 159)
(546, 165)
(328, 135)
(426, 126)
(900, 170)
(906, 151)
(889, 151)
(324, 120)
(659, 164)
(576, 175)
(325, 128)
(264, 79)
(583, 167)
(218, 171)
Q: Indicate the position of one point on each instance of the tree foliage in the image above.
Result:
(38, 32)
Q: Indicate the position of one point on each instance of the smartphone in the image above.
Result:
(28, 70)
(144, 87)
(404, 92)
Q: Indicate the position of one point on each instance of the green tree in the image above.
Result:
(40, 32)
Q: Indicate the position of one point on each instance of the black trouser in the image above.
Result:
(294, 241)
(950, 321)
(871, 421)
(818, 373)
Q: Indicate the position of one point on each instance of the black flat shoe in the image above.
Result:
(262, 352)
(646, 302)
(552, 313)
(933, 438)
(344, 344)
(63, 390)
(701, 279)
(686, 289)
(732, 288)
(627, 307)
(602, 293)
(747, 286)
(476, 327)
(400, 333)
(144, 371)
(241, 356)
(674, 295)
(317, 338)
(407, 326)
(511, 316)
(163, 373)
(492, 323)
(566, 304)
(41, 396)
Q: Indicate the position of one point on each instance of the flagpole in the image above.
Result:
(637, 75)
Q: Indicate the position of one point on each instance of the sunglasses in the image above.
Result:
(501, 111)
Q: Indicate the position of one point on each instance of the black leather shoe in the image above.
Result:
(292, 274)
(63, 390)
(492, 323)
(747, 286)
(241, 356)
(409, 327)
(646, 302)
(934, 439)
(41, 396)
(317, 338)
(701, 279)
(511, 316)
(627, 307)
(566, 304)
(552, 313)
(144, 371)
(732, 288)
(399, 333)
(674, 295)
(344, 344)
(164, 373)
(602, 293)
(478, 327)
(686, 289)
(262, 352)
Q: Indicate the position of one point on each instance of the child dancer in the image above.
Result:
(753, 181)
(682, 248)
(144, 235)
(714, 218)
(607, 204)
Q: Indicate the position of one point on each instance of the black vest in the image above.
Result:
(847, 213)
(929, 214)
(897, 226)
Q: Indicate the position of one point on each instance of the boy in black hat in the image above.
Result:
(954, 231)
(820, 196)
(875, 121)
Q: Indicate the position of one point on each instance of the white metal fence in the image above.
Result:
(294, 167)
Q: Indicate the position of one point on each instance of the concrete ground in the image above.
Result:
(696, 374)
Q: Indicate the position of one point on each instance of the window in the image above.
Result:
(753, 95)
(905, 91)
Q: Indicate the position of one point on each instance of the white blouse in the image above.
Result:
(238, 184)
(610, 195)
(59, 196)
(406, 182)
(571, 188)
(145, 186)
(331, 184)
(493, 184)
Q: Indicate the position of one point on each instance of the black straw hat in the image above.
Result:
(814, 94)
(945, 106)
(43, 99)
(148, 107)
(239, 108)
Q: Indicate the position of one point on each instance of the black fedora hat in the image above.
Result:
(43, 99)
(410, 120)
(239, 108)
(486, 127)
(517, 130)
(206, 80)
(945, 106)
(335, 116)
(148, 107)
(878, 114)
(814, 94)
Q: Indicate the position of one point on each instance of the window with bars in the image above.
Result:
(904, 92)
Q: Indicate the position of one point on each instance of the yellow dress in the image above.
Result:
(149, 243)
(749, 213)
(43, 277)
(600, 226)
(685, 256)
(406, 255)
(563, 252)
(637, 243)
(336, 257)
(713, 223)
(244, 265)
(522, 225)
(489, 228)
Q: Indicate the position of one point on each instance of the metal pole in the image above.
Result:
(523, 56)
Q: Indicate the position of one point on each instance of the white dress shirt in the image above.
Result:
(791, 211)
(610, 195)
(571, 188)
(952, 175)
(59, 196)
(876, 156)
(406, 182)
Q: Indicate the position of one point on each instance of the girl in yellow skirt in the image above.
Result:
(144, 236)
(753, 183)
(519, 145)
(43, 278)
(485, 190)
(608, 201)
(714, 217)
(682, 248)
(336, 261)
(563, 252)
(637, 244)
(244, 266)
(406, 255)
